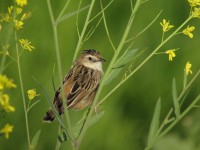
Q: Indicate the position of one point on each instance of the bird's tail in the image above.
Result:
(49, 117)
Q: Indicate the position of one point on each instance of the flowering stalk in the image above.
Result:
(55, 33)
(119, 48)
(22, 88)
(146, 59)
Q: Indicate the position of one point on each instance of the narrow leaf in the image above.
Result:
(52, 106)
(35, 139)
(64, 17)
(113, 74)
(53, 83)
(126, 58)
(155, 121)
(175, 100)
(62, 137)
(122, 61)
(93, 120)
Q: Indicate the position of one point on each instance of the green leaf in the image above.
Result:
(60, 121)
(95, 118)
(80, 123)
(53, 83)
(126, 58)
(35, 139)
(175, 100)
(155, 121)
(32, 105)
(63, 137)
(122, 61)
(67, 16)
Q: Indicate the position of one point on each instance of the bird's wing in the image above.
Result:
(78, 84)
(85, 81)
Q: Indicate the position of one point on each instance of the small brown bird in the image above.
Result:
(80, 84)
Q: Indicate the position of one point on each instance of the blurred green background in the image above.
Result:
(129, 110)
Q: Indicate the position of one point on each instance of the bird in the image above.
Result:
(80, 84)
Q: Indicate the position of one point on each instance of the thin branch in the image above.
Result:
(106, 27)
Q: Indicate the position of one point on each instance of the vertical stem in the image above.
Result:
(58, 144)
(6, 42)
(121, 44)
(62, 11)
(80, 40)
(184, 80)
(22, 90)
(145, 60)
(59, 68)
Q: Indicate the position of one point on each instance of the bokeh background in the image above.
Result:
(129, 110)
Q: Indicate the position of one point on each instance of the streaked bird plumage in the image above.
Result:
(80, 84)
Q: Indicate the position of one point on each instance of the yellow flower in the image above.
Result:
(23, 16)
(4, 102)
(171, 54)
(194, 3)
(188, 31)
(166, 25)
(10, 9)
(18, 10)
(196, 12)
(21, 3)
(18, 24)
(6, 83)
(188, 67)
(7, 130)
(26, 44)
(32, 93)
(0, 27)
(6, 17)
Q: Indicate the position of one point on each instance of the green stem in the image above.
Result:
(188, 85)
(124, 37)
(158, 135)
(62, 11)
(3, 60)
(58, 143)
(192, 105)
(22, 90)
(145, 60)
(70, 133)
(81, 37)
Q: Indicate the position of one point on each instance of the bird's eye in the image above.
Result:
(90, 58)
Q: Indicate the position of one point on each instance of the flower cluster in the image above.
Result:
(5, 106)
(16, 16)
(166, 25)
(171, 54)
(32, 94)
(17, 19)
(188, 31)
(6, 130)
(194, 4)
(26, 44)
(188, 67)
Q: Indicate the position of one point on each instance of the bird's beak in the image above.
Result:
(102, 60)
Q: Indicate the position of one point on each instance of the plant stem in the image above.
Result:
(55, 34)
(122, 42)
(81, 37)
(145, 60)
(22, 90)
(62, 11)
(3, 60)
(192, 105)
(58, 143)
